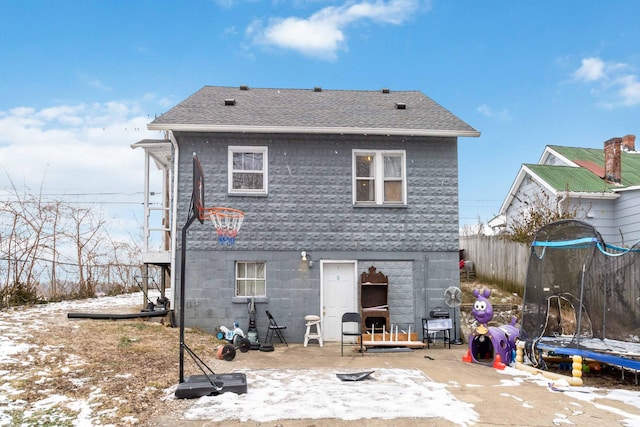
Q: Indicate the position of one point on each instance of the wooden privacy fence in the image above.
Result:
(497, 260)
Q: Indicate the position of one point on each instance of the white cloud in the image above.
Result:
(92, 81)
(225, 3)
(591, 69)
(615, 83)
(629, 89)
(323, 33)
(313, 37)
(73, 148)
(487, 111)
(80, 153)
(230, 31)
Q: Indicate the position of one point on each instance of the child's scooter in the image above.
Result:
(235, 336)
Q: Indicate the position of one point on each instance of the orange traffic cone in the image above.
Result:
(467, 357)
(497, 363)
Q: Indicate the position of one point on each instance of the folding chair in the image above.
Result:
(274, 329)
(351, 318)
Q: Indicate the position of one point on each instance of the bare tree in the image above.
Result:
(55, 209)
(46, 239)
(23, 223)
(85, 234)
(540, 210)
(120, 262)
(473, 229)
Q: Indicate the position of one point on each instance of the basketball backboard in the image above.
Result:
(198, 189)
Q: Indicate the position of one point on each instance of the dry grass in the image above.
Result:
(122, 368)
(498, 296)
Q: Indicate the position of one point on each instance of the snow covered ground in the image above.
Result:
(16, 326)
(312, 394)
(274, 393)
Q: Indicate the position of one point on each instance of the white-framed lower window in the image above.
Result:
(248, 170)
(379, 177)
(251, 280)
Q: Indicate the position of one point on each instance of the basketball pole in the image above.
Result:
(231, 220)
(183, 259)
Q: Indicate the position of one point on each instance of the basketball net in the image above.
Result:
(227, 222)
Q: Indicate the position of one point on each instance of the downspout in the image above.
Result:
(561, 201)
(174, 216)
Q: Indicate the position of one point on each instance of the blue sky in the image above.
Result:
(80, 80)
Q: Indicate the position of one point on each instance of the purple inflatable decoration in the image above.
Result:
(486, 342)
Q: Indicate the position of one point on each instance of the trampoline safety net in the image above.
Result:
(579, 288)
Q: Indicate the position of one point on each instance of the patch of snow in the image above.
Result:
(49, 402)
(277, 394)
(561, 419)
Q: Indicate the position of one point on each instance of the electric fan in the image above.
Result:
(453, 298)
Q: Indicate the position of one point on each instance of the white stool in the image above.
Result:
(312, 320)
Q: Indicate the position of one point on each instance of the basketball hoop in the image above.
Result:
(227, 222)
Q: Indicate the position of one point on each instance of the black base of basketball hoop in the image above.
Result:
(210, 385)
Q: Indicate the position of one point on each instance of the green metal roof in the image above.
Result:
(568, 178)
(595, 155)
(584, 180)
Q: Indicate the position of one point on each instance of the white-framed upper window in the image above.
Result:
(248, 170)
(251, 279)
(379, 177)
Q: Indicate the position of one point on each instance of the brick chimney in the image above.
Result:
(629, 143)
(612, 160)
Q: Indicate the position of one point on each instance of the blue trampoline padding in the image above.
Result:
(609, 359)
(566, 243)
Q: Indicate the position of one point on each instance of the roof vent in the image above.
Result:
(230, 101)
(317, 89)
(244, 87)
(401, 106)
(385, 90)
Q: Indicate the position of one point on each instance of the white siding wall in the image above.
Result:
(628, 217)
(553, 161)
(528, 192)
(616, 220)
(600, 214)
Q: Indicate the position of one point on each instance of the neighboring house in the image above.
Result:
(602, 186)
(353, 178)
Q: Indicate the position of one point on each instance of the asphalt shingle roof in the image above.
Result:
(307, 109)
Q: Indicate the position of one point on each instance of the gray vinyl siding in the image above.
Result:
(310, 194)
(309, 207)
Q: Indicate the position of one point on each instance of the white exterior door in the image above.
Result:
(338, 295)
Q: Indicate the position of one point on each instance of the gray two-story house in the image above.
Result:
(332, 183)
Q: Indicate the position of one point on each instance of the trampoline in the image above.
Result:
(582, 297)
